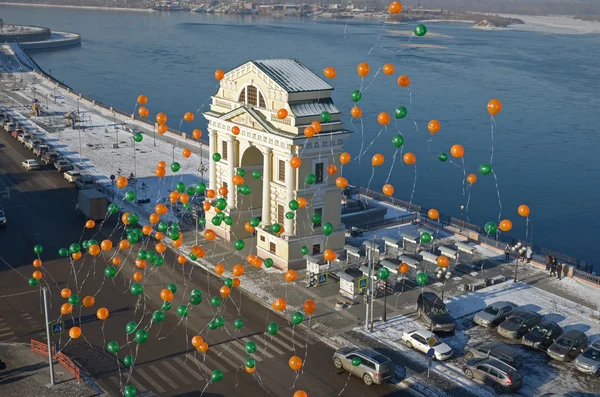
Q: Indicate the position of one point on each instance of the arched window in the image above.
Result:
(251, 96)
(242, 97)
(261, 101)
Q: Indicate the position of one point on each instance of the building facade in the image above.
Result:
(249, 98)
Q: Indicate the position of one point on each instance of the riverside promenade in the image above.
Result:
(337, 321)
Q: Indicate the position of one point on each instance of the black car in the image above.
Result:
(519, 324)
(568, 346)
(542, 335)
(496, 350)
(434, 313)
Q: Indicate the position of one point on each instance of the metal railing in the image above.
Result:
(42, 348)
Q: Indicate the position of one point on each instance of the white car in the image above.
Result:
(2, 219)
(72, 176)
(423, 340)
(30, 165)
(32, 143)
(9, 126)
(23, 137)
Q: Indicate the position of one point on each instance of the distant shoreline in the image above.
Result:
(82, 7)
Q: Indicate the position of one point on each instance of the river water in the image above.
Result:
(546, 138)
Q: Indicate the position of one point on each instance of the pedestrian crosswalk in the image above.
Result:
(6, 334)
(187, 369)
(19, 326)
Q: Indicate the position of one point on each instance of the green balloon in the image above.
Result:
(166, 306)
(63, 252)
(293, 204)
(316, 218)
(180, 187)
(173, 234)
(190, 190)
(289, 215)
(400, 112)
(113, 208)
(130, 391)
(92, 242)
(85, 244)
(425, 237)
(38, 249)
(130, 196)
(136, 289)
(133, 237)
(159, 261)
(254, 222)
(256, 174)
(112, 347)
(217, 375)
(138, 137)
(74, 248)
(220, 321)
(151, 256)
(443, 157)
(213, 325)
(383, 273)
(202, 221)
(490, 228)
(241, 172)
(238, 245)
(325, 117)
(187, 206)
(131, 327)
(421, 278)
(162, 226)
(250, 362)
(216, 157)
(158, 316)
(327, 228)
(128, 360)
(110, 271)
(310, 179)
(172, 287)
(200, 187)
(485, 169)
(355, 362)
(195, 299)
(216, 220)
(73, 300)
(420, 30)
(272, 328)
(133, 218)
(175, 166)
(304, 250)
(238, 323)
(268, 263)
(33, 282)
(356, 96)
(141, 336)
(221, 204)
(182, 311)
(228, 282)
(228, 220)
(297, 318)
(276, 228)
(215, 301)
(142, 254)
(193, 256)
(398, 141)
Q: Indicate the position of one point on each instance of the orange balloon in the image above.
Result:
(185, 198)
(345, 158)
(94, 250)
(331, 169)
(206, 205)
(219, 74)
(161, 118)
(388, 68)
(75, 332)
(341, 182)
(388, 189)
(102, 313)
(443, 261)
(238, 270)
(143, 111)
(162, 164)
(433, 214)
(158, 235)
(124, 244)
(383, 118)
(37, 263)
(248, 227)
(471, 178)
(210, 235)
(295, 162)
(186, 153)
(166, 295)
(300, 393)
(66, 308)
(181, 259)
(363, 69)
(174, 196)
(154, 218)
(162, 128)
(457, 151)
(329, 73)
(309, 132)
(210, 193)
(523, 210)
(88, 301)
(329, 255)
(137, 276)
(282, 114)
(301, 202)
(197, 340)
(279, 304)
(200, 253)
(197, 134)
(309, 307)
(494, 107)
(188, 116)
(76, 255)
(224, 291)
(410, 158)
(235, 130)
(160, 172)
(65, 293)
(121, 182)
(404, 268)
(295, 363)
(37, 275)
(116, 261)
(505, 225)
(377, 160)
(142, 99)
(90, 224)
(219, 269)
(140, 263)
(316, 125)
(236, 282)
(257, 262)
(106, 245)
(203, 348)
(160, 248)
(403, 81)
(356, 112)
(124, 218)
(237, 180)
(251, 370)
(291, 276)
(433, 126)
(394, 8)
(147, 229)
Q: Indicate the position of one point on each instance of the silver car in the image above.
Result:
(589, 360)
(495, 313)
(372, 367)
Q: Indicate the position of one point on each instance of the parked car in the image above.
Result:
(62, 165)
(30, 164)
(496, 350)
(72, 176)
(2, 219)
(40, 149)
(24, 137)
(519, 324)
(9, 126)
(502, 377)
(543, 335)
(423, 340)
(49, 157)
(85, 182)
(495, 313)
(434, 313)
(588, 361)
(568, 346)
(373, 368)
(31, 143)
(16, 132)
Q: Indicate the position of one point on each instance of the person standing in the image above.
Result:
(548, 262)
(553, 267)
(529, 254)
(559, 268)
(507, 253)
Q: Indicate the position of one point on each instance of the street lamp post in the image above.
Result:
(370, 289)
(443, 274)
(462, 220)
(45, 291)
(384, 317)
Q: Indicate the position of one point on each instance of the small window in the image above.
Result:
(419, 338)
(272, 247)
(367, 363)
(262, 238)
(242, 97)
(482, 368)
(280, 214)
(251, 90)
(224, 150)
(261, 101)
(224, 184)
(319, 172)
(316, 249)
(282, 170)
(320, 212)
(494, 372)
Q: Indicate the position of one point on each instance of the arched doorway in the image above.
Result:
(252, 160)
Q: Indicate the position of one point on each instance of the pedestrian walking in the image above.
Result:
(559, 268)
(548, 262)
(553, 268)
(529, 254)
(507, 253)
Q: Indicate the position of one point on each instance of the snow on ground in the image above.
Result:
(554, 24)
(541, 375)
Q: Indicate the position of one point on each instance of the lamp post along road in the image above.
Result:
(370, 289)
(45, 291)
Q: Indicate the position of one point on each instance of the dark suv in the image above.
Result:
(502, 377)
(568, 346)
(519, 324)
(434, 313)
(542, 335)
(496, 350)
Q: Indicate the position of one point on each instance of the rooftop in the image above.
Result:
(292, 75)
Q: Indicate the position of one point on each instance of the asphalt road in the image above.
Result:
(41, 210)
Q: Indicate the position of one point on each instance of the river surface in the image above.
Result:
(546, 140)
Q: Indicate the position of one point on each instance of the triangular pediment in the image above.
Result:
(250, 67)
(247, 117)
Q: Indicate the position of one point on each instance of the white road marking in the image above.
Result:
(263, 342)
(163, 376)
(188, 368)
(177, 373)
(258, 351)
(220, 350)
(200, 364)
(149, 379)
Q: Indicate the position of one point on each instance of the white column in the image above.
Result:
(290, 179)
(212, 166)
(266, 199)
(230, 164)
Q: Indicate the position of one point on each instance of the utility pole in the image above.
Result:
(79, 130)
(45, 292)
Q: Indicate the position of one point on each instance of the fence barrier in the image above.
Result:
(42, 348)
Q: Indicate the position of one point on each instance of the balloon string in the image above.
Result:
(464, 174)
(373, 141)
(468, 201)
(492, 123)
(413, 189)
(373, 79)
(526, 228)
(346, 384)
(410, 109)
(498, 191)
(407, 43)
(392, 166)
(369, 184)
(362, 142)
